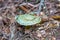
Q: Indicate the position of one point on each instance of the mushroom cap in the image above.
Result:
(27, 19)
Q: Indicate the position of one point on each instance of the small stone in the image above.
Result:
(43, 32)
(40, 28)
(59, 0)
(44, 7)
(42, 13)
(51, 11)
(39, 35)
(0, 18)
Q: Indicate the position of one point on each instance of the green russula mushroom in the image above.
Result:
(27, 19)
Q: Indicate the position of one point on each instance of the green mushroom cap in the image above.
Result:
(27, 19)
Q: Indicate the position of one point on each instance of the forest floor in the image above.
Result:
(50, 15)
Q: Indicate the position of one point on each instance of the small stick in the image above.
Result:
(23, 8)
